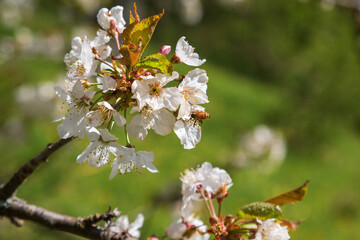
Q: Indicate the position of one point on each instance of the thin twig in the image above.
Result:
(17, 208)
(8, 189)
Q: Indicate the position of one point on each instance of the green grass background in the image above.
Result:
(324, 144)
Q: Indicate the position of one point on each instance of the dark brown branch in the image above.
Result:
(16, 208)
(8, 189)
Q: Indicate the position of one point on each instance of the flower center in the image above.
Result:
(187, 93)
(155, 89)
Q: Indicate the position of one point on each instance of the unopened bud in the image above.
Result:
(153, 237)
(135, 74)
(147, 74)
(85, 83)
(142, 71)
(213, 220)
(165, 50)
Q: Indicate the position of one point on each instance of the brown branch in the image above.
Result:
(17, 208)
(8, 189)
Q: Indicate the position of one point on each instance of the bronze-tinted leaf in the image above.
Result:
(292, 196)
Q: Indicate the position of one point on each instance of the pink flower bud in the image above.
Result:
(142, 71)
(147, 74)
(165, 50)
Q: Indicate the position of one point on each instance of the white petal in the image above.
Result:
(78, 90)
(176, 230)
(117, 13)
(94, 118)
(103, 18)
(119, 119)
(62, 94)
(136, 129)
(172, 98)
(164, 122)
(106, 135)
(184, 110)
(93, 134)
(188, 132)
(84, 155)
(186, 53)
(134, 226)
(108, 83)
(145, 159)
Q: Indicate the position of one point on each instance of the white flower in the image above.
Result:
(178, 228)
(122, 226)
(74, 124)
(104, 114)
(127, 159)
(186, 54)
(151, 91)
(80, 61)
(269, 230)
(161, 121)
(105, 16)
(214, 181)
(100, 44)
(193, 88)
(101, 145)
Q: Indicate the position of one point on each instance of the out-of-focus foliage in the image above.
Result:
(285, 63)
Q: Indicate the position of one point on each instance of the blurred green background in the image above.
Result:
(292, 65)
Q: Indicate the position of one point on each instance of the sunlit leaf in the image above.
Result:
(129, 57)
(260, 210)
(141, 31)
(156, 61)
(292, 196)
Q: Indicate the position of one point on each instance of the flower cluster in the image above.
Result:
(106, 86)
(259, 221)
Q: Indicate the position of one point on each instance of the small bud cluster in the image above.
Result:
(106, 86)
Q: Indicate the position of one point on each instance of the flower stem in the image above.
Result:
(110, 124)
(211, 204)
(206, 203)
(219, 209)
(126, 133)
(95, 103)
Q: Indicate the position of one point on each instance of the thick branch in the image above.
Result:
(8, 189)
(15, 208)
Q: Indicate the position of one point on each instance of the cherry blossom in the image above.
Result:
(101, 145)
(151, 91)
(185, 53)
(115, 14)
(270, 230)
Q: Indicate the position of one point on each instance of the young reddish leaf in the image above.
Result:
(144, 30)
(292, 196)
(132, 18)
(129, 57)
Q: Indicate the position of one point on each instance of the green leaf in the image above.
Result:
(156, 61)
(141, 32)
(292, 196)
(260, 210)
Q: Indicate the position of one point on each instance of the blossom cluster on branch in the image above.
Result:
(107, 87)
